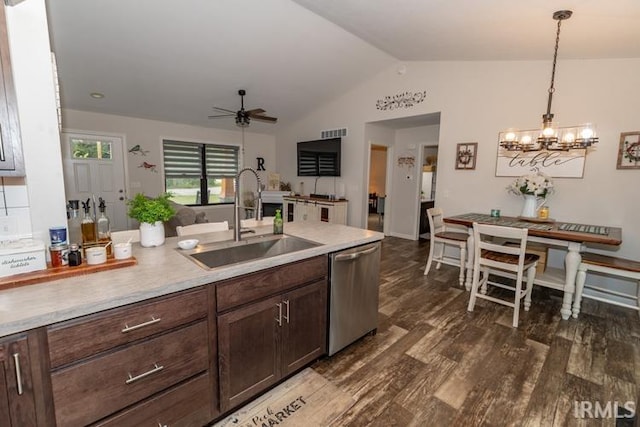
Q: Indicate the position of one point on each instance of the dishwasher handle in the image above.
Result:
(355, 255)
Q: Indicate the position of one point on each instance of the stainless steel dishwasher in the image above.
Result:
(353, 307)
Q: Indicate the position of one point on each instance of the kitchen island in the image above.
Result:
(167, 329)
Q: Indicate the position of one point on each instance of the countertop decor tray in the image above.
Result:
(538, 220)
(55, 273)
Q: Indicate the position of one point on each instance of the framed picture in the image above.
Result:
(273, 181)
(629, 151)
(466, 155)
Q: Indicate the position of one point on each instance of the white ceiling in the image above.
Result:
(173, 61)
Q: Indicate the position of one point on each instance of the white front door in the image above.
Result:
(94, 167)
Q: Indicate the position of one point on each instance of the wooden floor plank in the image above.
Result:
(587, 359)
(542, 403)
(435, 371)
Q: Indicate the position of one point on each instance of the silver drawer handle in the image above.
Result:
(355, 255)
(128, 328)
(279, 318)
(162, 425)
(155, 369)
(286, 316)
(16, 362)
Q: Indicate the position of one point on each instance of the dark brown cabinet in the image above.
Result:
(131, 363)
(304, 326)
(274, 335)
(264, 342)
(11, 158)
(17, 397)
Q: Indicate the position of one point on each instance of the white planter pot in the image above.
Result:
(151, 234)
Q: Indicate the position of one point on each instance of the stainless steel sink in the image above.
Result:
(226, 253)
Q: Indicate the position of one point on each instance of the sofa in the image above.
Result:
(185, 215)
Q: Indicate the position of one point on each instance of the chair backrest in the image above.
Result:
(124, 236)
(205, 227)
(492, 238)
(380, 206)
(436, 222)
(252, 222)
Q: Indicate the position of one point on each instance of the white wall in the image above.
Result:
(37, 201)
(149, 135)
(476, 101)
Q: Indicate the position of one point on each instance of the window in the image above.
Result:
(83, 148)
(200, 174)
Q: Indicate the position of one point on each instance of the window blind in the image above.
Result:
(221, 161)
(185, 160)
(182, 160)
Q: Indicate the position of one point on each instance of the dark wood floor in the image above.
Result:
(433, 364)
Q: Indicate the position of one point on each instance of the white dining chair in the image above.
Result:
(252, 222)
(492, 257)
(442, 236)
(205, 227)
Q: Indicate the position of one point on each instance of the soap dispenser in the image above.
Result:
(277, 223)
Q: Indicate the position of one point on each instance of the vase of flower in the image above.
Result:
(534, 189)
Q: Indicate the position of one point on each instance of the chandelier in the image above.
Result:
(550, 137)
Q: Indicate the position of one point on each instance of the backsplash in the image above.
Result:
(15, 214)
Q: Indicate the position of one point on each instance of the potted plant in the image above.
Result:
(151, 213)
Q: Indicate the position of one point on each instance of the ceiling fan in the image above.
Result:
(243, 117)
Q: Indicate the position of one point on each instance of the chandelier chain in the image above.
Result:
(555, 57)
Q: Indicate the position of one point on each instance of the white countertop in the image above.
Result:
(161, 270)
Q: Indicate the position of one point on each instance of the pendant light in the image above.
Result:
(550, 137)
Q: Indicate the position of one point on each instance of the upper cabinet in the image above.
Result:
(11, 158)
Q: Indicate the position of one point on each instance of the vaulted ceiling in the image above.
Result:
(173, 61)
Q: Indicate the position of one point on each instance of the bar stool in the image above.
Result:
(613, 266)
(441, 236)
(502, 260)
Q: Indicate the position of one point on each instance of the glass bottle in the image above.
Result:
(104, 229)
(74, 221)
(88, 225)
(277, 223)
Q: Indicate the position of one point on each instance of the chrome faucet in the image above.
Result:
(236, 202)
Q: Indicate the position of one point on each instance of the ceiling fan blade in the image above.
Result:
(255, 111)
(223, 109)
(222, 115)
(263, 118)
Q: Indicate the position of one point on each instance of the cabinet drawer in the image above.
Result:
(91, 390)
(187, 405)
(89, 335)
(252, 287)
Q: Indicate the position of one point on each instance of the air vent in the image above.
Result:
(333, 133)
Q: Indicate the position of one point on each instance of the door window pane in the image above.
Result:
(82, 148)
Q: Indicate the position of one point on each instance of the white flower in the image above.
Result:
(538, 184)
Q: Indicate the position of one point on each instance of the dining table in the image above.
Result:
(574, 237)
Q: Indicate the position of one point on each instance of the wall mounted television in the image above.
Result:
(320, 157)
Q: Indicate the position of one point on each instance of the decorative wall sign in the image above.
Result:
(556, 164)
(466, 154)
(629, 151)
(408, 161)
(401, 100)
